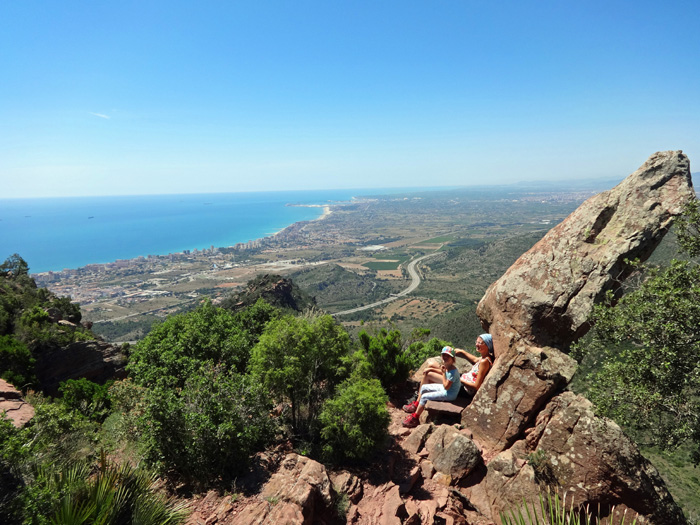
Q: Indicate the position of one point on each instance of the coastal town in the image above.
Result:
(370, 236)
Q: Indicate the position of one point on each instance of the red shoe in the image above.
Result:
(410, 421)
(411, 407)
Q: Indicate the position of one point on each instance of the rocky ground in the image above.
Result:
(13, 405)
(446, 474)
(400, 486)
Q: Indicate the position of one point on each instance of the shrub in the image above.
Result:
(178, 347)
(69, 311)
(209, 428)
(552, 510)
(386, 357)
(420, 351)
(301, 360)
(88, 398)
(12, 455)
(55, 437)
(129, 401)
(354, 423)
(35, 327)
(107, 493)
(17, 362)
(58, 434)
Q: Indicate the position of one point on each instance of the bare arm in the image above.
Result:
(469, 357)
(446, 383)
(432, 368)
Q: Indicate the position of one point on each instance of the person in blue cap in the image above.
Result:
(473, 379)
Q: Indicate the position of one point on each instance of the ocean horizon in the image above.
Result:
(53, 234)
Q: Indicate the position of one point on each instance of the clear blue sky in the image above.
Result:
(138, 97)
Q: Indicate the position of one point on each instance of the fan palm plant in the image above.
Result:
(112, 495)
(553, 511)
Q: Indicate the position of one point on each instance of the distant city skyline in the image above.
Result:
(132, 98)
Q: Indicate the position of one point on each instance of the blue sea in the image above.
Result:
(58, 233)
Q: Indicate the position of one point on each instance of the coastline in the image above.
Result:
(67, 233)
(327, 211)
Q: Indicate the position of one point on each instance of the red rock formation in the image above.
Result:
(13, 406)
(535, 310)
(546, 296)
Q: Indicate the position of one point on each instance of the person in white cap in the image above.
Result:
(433, 376)
(446, 390)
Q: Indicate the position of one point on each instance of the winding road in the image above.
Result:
(415, 281)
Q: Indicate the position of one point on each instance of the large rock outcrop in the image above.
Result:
(546, 296)
(94, 360)
(300, 493)
(514, 391)
(534, 312)
(588, 457)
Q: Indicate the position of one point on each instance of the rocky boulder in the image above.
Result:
(13, 406)
(519, 385)
(299, 493)
(459, 456)
(276, 290)
(546, 296)
(588, 457)
(94, 360)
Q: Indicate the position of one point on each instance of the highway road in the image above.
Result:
(415, 281)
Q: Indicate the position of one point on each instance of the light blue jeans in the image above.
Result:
(435, 392)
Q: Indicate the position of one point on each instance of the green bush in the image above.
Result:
(57, 433)
(17, 362)
(88, 398)
(108, 494)
(354, 423)
(12, 456)
(35, 327)
(177, 348)
(129, 401)
(420, 351)
(69, 311)
(209, 428)
(55, 438)
(555, 510)
(386, 356)
(301, 360)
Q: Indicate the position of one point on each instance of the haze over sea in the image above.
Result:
(56, 233)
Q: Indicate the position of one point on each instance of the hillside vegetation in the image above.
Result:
(211, 389)
(335, 288)
(197, 405)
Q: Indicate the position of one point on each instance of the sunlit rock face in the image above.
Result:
(545, 298)
(534, 312)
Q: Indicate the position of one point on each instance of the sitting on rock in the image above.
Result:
(473, 379)
(436, 377)
(446, 390)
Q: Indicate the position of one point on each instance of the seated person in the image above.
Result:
(446, 390)
(472, 380)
